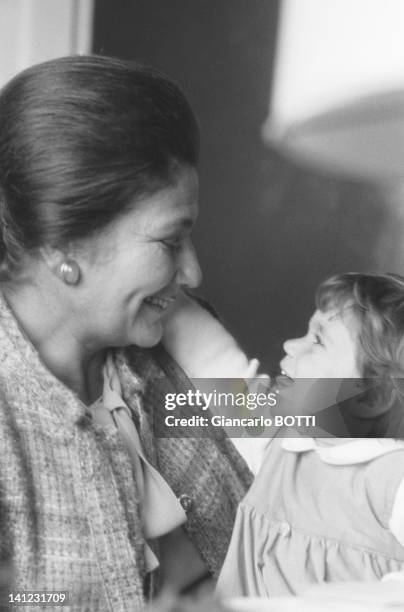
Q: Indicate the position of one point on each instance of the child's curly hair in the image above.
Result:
(377, 302)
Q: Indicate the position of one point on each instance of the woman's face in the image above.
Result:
(141, 262)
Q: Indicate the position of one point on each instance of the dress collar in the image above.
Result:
(344, 451)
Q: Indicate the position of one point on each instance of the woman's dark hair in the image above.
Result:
(81, 138)
(377, 303)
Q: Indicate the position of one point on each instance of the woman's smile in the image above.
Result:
(159, 303)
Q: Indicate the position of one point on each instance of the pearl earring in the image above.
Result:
(70, 272)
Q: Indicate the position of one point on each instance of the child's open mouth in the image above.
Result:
(282, 381)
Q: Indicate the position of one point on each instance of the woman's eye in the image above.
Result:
(172, 245)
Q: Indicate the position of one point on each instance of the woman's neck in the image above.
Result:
(55, 334)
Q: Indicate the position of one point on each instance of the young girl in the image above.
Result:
(329, 510)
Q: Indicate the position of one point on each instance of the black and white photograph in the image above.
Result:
(202, 305)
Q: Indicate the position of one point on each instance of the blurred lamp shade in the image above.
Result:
(338, 90)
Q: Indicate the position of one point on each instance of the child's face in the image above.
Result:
(328, 350)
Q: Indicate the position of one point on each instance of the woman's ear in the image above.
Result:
(63, 266)
(52, 258)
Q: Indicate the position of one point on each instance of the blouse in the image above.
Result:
(161, 512)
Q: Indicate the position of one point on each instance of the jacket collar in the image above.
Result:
(25, 380)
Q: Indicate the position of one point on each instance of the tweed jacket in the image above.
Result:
(68, 498)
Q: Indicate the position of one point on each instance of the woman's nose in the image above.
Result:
(189, 272)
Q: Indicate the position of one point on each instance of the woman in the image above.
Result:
(98, 198)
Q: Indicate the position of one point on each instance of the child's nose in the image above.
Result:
(290, 346)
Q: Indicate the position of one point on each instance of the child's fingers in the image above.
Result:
(251, 374)
(253, 366)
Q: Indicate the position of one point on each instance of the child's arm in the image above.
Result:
(203, 347)
(201, 344)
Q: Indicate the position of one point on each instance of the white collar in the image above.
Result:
(344, 451)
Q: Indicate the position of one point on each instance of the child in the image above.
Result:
(330, 510)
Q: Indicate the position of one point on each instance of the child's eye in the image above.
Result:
(317, 340)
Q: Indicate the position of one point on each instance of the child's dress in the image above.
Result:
(323, 511)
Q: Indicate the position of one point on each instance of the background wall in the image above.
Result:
(33, 31)
(268, 232)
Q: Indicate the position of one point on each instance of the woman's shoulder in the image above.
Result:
(152, 365)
